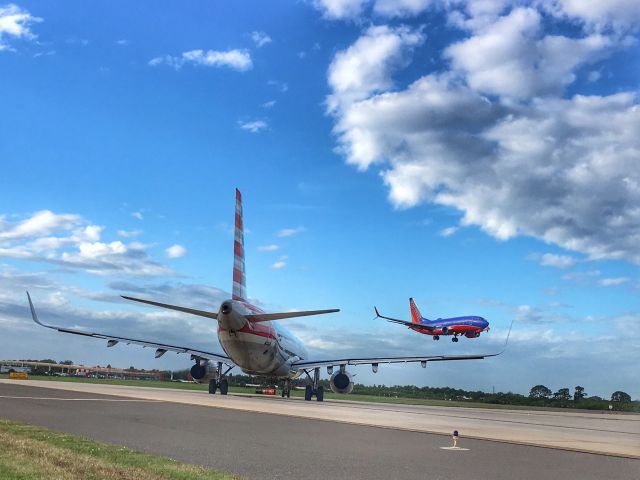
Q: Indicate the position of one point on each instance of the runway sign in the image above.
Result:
(18, 376)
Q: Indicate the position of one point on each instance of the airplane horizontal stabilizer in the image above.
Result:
(192, 311)
(416, 326)
(267, 317)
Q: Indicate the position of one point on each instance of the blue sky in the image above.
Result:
(481, 157)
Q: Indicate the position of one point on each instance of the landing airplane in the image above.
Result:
(255, 342)
(470, 327)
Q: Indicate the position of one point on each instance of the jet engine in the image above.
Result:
(472, 334)
(341, 382)
(203, 372)
(445, 330)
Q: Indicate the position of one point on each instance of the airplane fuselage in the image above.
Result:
(470, 326)
(258, 348)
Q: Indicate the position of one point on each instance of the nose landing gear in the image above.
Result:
(220, 382)
(454, 339)
(436, 337)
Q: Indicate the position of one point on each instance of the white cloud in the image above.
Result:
(122, 42)
(340, 9)
(175, 251)
(235, 59)
(129, 233)
(254, 126)
(447, 232)
(66, 240)
(617, 13)
(559, 169)
(613, 282)
(137, 215)
(16, 23)
(558, 261)
(400, 8)
(290, 232)
(280, 264)
(365, 67)
(260, 39)
(40, 223)
(268, 248)
(269, 104)
(513, 57)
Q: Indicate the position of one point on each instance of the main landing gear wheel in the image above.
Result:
(213, 386)
(308, 393)
(224, 386)
(454, 339)
(320, 393)
(436, 337)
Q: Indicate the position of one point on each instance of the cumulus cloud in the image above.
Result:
(15, 23)
(340, 9)
(620, 14)
(513, 57)
(400, 8)
(69, 241)
(254, 126)
(235, 59)
(175, 251)
(524, 161)
(447, 232)
(365, 67)
(260, 39)
(290, 232)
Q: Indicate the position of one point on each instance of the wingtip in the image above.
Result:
(375, 309)
(34, 315)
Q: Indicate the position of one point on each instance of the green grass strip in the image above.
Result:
(32, 453)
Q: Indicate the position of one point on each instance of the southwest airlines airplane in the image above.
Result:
(253, 341)
(470, 327)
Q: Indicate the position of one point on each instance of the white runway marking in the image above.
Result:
(81, 399)
(460, 449)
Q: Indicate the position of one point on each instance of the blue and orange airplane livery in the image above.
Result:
(469, 326)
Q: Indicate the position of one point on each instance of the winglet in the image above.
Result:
(377, 312)
(34, 315)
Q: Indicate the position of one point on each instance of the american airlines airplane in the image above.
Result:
(255, 342)
(469, 326)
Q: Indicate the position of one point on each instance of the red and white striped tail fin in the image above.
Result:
(416, 317)
(239, 284)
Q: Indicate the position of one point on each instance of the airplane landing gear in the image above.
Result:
(436, 337)
(454, 339)
(220, 381)
(213, 386)
(315, 388)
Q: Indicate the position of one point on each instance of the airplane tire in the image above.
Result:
(213, 386)
(320, 394)
(224, 386)
(308, 393)
(436, 337)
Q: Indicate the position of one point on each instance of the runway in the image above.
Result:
(260, 444)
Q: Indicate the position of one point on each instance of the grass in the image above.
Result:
(28, 452)
(295, 393)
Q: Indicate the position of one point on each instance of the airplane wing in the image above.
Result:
(417, 326)
(267, 317)
(409, 359)
(192, 311)
(161, 348)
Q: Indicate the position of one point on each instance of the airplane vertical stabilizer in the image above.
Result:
(239, 285)
(416, 317)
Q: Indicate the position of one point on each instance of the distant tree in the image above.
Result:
(108, 365)
(66, 362)
(132, 367)
(579, 394)
(540, 391)
(621, 397)
(562, 396)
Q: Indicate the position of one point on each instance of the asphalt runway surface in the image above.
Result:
(263, 445)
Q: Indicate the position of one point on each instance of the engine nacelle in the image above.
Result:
(203, 373)
(341, 382)
(472, 334)
(445, 330)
